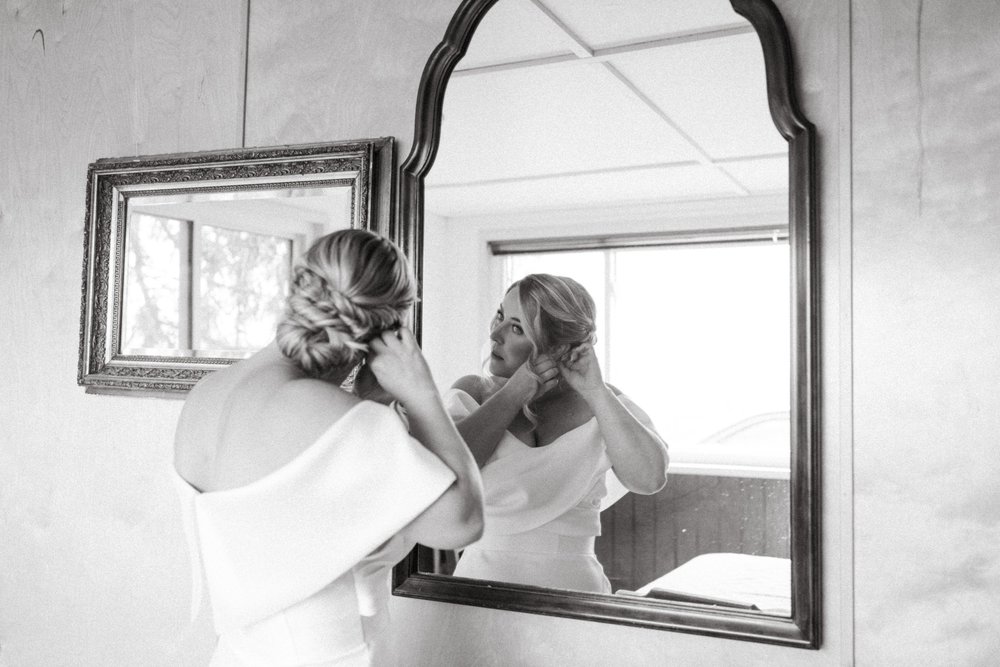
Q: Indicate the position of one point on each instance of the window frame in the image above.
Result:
(685, 459)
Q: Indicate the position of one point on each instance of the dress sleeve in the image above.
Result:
(459, 403)
(282, 538)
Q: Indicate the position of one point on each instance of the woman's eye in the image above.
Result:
(499, 316)
(518, 330)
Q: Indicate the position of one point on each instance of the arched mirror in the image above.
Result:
(652, 152)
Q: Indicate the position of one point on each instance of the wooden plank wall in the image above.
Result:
(95, 571)
(644, 537)
(332, 71)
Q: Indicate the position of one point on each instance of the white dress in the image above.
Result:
(297, 563)
(542, 508)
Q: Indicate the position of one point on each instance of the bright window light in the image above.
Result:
(698, 335)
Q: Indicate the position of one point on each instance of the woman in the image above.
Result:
(545, 429)
(299, 495)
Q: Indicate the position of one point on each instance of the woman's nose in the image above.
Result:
(495, 333)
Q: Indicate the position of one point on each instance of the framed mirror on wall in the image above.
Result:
(655, 154)
(188, 256)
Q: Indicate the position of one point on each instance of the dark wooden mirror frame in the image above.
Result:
(802, 629)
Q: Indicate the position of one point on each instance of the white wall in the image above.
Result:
(926, 315)
(93, 569)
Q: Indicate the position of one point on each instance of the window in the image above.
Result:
(698, 335)
(201, 289)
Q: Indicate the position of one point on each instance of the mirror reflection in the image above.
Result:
(187, 255)
(206, 273)
(632, 152)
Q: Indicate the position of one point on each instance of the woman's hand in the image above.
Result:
(366, 387)
(532, 380)
(399, 366)
(581, 370)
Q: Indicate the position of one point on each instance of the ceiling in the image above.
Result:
(279, 210)
(569, 104)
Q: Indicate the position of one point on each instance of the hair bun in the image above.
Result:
(337, 303)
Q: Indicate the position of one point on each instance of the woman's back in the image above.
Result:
(295, 549)
(246, 421)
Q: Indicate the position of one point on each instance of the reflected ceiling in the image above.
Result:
(565, 104)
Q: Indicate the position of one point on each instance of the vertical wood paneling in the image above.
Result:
(926, 175)
(666, 525)
(82, 475)
(752, 523)
(95, 568)
(335, 70)
(644, 537)
(777, 529)
(731, 508)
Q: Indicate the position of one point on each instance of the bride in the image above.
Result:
(299, 497)
(545, 430)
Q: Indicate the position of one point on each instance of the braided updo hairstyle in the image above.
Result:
(348, 287)
(559, 314)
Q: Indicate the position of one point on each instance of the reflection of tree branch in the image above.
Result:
(149, 323)
(241, 283)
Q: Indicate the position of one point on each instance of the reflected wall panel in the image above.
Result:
(644, 537)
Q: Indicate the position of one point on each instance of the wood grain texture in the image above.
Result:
(926, 175)
(644, 537)
(338, 70)
(95, 569)
(58, 496)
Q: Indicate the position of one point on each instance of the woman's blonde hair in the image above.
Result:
(348, 287)
(558, 314)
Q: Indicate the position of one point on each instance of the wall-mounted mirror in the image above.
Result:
(652, 152)
(188, 256)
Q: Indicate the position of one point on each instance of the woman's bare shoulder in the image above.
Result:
(231, 435)
(473, 385)
(312, 396)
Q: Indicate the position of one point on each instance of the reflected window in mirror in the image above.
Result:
(206, 273)
(188, 257)
(694, 313)
(635, 150)
(222, 299)
(696, 329)
(713, 318)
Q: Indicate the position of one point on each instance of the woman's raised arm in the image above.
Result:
(456, 517)
(484, 427)
(638, 454)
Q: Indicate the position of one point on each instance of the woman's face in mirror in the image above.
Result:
(509, 345)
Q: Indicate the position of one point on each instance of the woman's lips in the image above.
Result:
(496, 356)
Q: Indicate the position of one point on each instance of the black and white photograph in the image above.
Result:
(500, 333)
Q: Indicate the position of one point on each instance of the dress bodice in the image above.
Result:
(562, 486)
(296, 563)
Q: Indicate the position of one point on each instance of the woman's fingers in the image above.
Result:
(549, 374)
(390, 338)
(542, 364)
